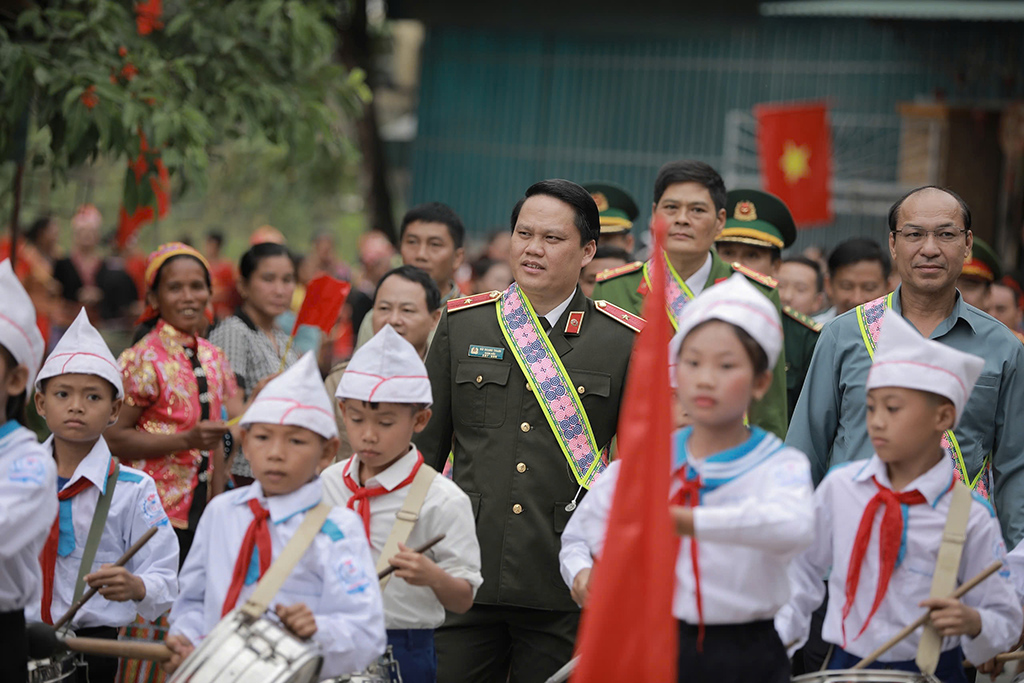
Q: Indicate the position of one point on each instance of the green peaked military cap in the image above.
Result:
(616, 206)
(758, 218)
(983, 263)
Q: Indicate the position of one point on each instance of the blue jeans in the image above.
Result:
(414, 650)
(949, 670)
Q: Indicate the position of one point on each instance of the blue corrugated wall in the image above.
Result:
(500, 110)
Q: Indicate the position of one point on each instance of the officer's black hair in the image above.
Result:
(15, 404)
(689, 171)
(819, 277)
(146, 327)
(251, 259)
(612, 252)
(419, 277)
(757, 355)
(436, 212)
(856, 250)
(894, 211)
(587, 218)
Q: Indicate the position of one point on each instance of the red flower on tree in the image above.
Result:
(147, 16)
(129, 71)
(89, 98)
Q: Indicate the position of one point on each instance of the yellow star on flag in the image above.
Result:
(794, 162)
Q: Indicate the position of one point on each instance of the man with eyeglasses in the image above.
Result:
(929, 239)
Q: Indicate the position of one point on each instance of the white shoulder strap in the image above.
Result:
(947, 566)
(406, 518)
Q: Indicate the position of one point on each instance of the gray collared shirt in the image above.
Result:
(829, 423)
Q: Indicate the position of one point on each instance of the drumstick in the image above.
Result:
(118, 648)
(907, 630)
(122, 561)
(422, 549)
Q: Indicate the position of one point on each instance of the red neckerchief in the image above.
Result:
(257, 537)
(688, 495)
(360, 500)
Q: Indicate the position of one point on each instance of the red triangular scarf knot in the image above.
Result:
(360, 500)
(689, 495)
(890, 536)
(257, 536)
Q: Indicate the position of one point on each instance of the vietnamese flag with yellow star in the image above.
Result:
(794, 146)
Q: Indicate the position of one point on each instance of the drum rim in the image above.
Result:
(866, 675)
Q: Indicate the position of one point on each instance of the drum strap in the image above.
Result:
(99, 521)
(947, 566)
(282, 567)
(406, 518)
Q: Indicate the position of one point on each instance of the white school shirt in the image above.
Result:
(1015, 561)
(839, 504)
(335, 577)
(446, 510)
(134, 509)
(28, 478)
(755, 515)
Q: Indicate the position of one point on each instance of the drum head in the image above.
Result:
(865, 676)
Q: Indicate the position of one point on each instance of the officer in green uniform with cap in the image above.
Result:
(690, 197)
(618, 211)
(758, 228)
(526, 385)
(981, 269)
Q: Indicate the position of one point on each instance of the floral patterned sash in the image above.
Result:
(551, 384)
(676, 291)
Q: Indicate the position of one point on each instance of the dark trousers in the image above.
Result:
(811, 657)
(98, 669)
(732, 653)
(496, 643)
(414, 651)
(13, 647)
(949, 670)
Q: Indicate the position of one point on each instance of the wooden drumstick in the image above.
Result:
(118, 648)
(122, 561)
(422, 549)
(920, 621)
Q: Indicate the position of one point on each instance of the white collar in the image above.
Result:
(697, 281)
(395, 474)
(287, 505)
(932, 484)
(555, 313)
(93, 467)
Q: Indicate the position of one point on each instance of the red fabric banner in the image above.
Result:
(795, 148)
(628, 632)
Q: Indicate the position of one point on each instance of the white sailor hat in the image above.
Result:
(386, 369)
(19, 333)
(296, 397)
(82, 351)
(733, 301)
(903, 358)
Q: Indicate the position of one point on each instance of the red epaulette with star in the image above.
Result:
(760, 278)
(621, 270)
(633, 322)
(470, 301)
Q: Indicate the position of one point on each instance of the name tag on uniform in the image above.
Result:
(492, 352)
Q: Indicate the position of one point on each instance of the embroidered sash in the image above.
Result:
(676, 291)
(869, 318)
(551, 384)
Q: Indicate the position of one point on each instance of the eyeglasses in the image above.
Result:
(916, 235)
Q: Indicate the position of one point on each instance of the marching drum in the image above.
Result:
(60, 667)
(865, 676)
(384, 670)
(242, 649)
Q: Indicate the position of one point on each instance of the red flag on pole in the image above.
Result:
(324, 298)
(628, 632)
(795, 148)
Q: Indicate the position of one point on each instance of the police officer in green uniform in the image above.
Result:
(498, 364)
(981, 269)
(618, 210)
(690, 197)
(758, 228)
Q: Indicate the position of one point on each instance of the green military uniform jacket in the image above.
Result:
(506, 457)
(623, 289)
(800, 334)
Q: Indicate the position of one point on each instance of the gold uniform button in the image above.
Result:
(521, 467)
(479, 378)
(528, 387)
(525, 426)
(517, 508)
(580, 389)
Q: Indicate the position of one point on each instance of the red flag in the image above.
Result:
(628, 632)
(795, 147)
(324, 298)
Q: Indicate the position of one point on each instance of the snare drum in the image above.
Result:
(241, 649)
(61, 667)
(384, 670)
(865, 676)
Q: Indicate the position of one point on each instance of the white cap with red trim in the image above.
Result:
(82, 351)
(386, 369)
(903, 358)
(296, 397)
(19, 333)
